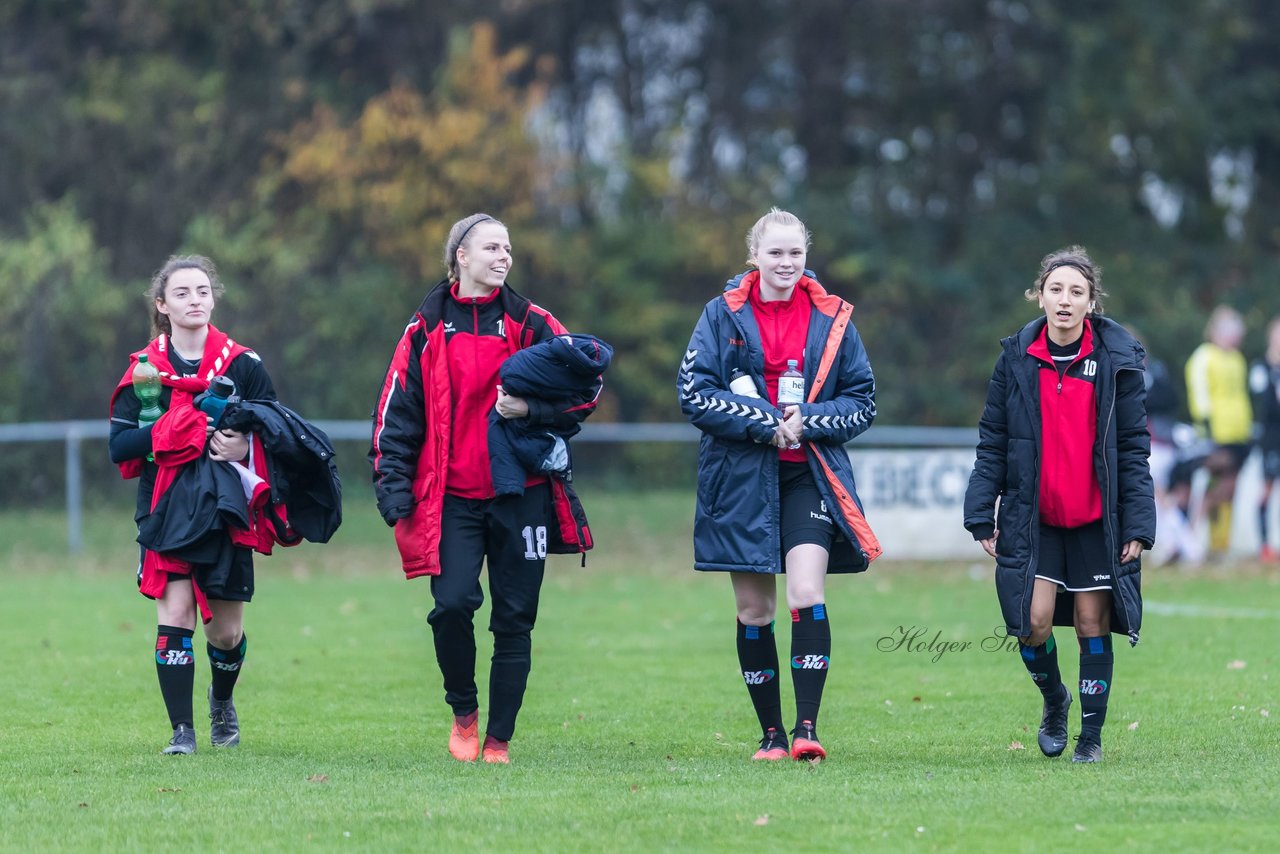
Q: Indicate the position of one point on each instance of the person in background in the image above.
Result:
(433, 476)
(1178, 540)
(189, 352)
(775, 485)
(1062, 451)
(1264, 383)
(1218, 398)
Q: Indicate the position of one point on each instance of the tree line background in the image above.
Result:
(319, 151)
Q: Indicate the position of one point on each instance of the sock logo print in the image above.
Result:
(1093, 686)
(811, 662)
(758, 677)
(174, 656)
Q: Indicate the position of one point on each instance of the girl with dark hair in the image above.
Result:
(433, 475)
(189, 352)
(1062, 448)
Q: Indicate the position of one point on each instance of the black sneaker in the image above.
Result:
(183, 742)
(804, 743)
(1053, 724)
(773, 746)
(224, 726)
(1088, 747)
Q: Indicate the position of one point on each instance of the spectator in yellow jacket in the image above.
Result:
(1218, 397)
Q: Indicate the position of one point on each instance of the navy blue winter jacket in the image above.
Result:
(736, 524)
(566, 366)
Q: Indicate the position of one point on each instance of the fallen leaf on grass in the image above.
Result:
(761, 821)
(168, 789)
(83, 804)
(1016, 745)
(1081, 828)
(318, 778)
(915, 699)
(1236, 665)
(1133, 725)
(1264, 713)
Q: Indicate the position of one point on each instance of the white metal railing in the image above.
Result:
(74, 433)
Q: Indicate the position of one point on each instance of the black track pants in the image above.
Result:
(509, 535)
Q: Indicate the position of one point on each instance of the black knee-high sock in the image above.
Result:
(1096, 665)
(1042, 663)
(176, 668)
(758, 657)
(1262, 524)
(810, 659)
(225, 665)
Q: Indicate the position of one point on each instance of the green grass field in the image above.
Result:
(636, 728)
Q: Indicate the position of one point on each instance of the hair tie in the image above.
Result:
(467, 230)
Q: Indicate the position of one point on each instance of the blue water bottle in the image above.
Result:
(222, 390)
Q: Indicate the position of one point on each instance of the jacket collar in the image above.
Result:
(1110, 341)
(740, 295)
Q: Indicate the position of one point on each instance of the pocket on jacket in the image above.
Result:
(422, 486)
(713, 470)
(411, 541)
(1010, 524)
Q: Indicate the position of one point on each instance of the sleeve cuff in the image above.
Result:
(983, 532)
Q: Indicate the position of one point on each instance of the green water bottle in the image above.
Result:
(146, 385)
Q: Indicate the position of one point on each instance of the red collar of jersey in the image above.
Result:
(461, 300)
(1040, 347)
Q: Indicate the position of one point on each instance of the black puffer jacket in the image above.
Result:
(303, 475)
(1008, 468)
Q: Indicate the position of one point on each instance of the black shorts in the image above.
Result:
(1075, 559)
(1270, 463)
(804, 515)
(230, 581)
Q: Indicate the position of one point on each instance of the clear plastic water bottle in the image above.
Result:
(791, 387)
(146, 385)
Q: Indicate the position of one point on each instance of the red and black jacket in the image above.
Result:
(430, 424)
(179, 437)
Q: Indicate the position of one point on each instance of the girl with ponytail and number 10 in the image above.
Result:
(1062, 448)
(777, 380)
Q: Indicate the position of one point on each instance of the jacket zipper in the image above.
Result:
(1106, 513)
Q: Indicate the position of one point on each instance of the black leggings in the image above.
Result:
(510, 535)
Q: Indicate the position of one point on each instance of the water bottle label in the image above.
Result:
(790, 390)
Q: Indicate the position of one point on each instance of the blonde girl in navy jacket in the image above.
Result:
(775, 485)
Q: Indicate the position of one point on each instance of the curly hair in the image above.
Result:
(155, 291)
(1078, 259)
